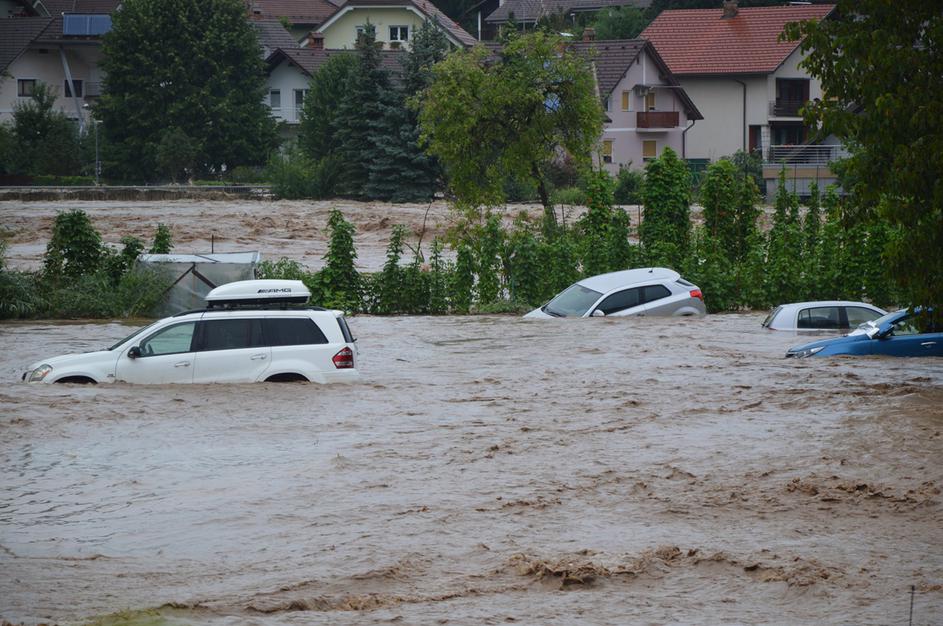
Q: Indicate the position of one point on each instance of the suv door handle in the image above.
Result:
(256, 357)
(182, 364)
(927, 344)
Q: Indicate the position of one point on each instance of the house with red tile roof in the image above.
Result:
(646, 109)
(747, 83)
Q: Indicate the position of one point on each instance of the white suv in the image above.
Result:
(251, 331)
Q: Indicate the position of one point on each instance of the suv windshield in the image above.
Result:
(576, 300)
(132, 335)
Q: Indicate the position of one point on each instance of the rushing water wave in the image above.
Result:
(485, 470)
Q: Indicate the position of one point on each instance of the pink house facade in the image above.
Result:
(646, 109)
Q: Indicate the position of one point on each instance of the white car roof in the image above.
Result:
(820, 303)
(604, 283)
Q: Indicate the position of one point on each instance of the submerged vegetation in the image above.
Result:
(494, 267)
(82, 277)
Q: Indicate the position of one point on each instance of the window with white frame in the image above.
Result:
(300, 98)
(399, 33)
(275, 99)
(25, 87)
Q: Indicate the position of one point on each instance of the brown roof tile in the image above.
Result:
(532, 10)
(308, 60)
(306, 12)
(272, 35)
(16, 33)
(701, 41)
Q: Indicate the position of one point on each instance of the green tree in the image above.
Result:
(596, 226)
(340, 281)
(317, 131)
(880, 64)
(784, 249)
(163, 240)
(44, 141)
(489, 121)
(366, 95)
(176, 154)
(665, 229)
(401, 170)
(205, 77)
(720, 194)
(624, 22)
(74, 249)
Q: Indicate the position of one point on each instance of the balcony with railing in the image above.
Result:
(786, 107)
(805, 154)
(289, 114)
(656, 120)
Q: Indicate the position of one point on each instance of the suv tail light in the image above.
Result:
(696, 293)
(344, 359)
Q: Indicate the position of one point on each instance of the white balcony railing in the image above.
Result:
(805, 154)
(291, 115)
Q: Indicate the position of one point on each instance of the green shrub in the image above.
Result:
(19, 291)
(163, 240)
(64, 181)
(246, 174)
(98, 296)
(628, 186)
(295, 176)
(568, 195)
(75, 248)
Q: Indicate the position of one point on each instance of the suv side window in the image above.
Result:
(650, 293)
(292, 331)
(819, 317)
(171, 340)
(620, 301)
(230, 334)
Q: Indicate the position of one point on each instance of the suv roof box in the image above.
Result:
(254, 292)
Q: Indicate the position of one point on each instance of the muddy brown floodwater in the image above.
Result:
(486, 470)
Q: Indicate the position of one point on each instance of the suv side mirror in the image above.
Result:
(134, 352)
(598, 313)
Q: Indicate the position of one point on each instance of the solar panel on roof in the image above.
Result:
(85, 25)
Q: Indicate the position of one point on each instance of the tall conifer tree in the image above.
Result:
(364, 103)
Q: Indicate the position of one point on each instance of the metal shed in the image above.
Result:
(193, 275)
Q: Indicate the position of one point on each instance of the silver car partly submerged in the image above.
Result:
(646, 291)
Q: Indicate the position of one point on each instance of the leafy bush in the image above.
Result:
(628, 186)
(63, 181)
(75, 248)
(568, 195)
(246, 174)
(295, 176)
(97, 295)
(163, 240)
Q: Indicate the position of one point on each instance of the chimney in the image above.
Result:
(730, 9)
(589, 34)
(315, 41)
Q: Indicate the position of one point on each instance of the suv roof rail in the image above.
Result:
(272, 306)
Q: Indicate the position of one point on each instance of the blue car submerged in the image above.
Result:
(895, 334)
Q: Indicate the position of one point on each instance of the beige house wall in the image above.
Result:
(47, 67)
(343, 32)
